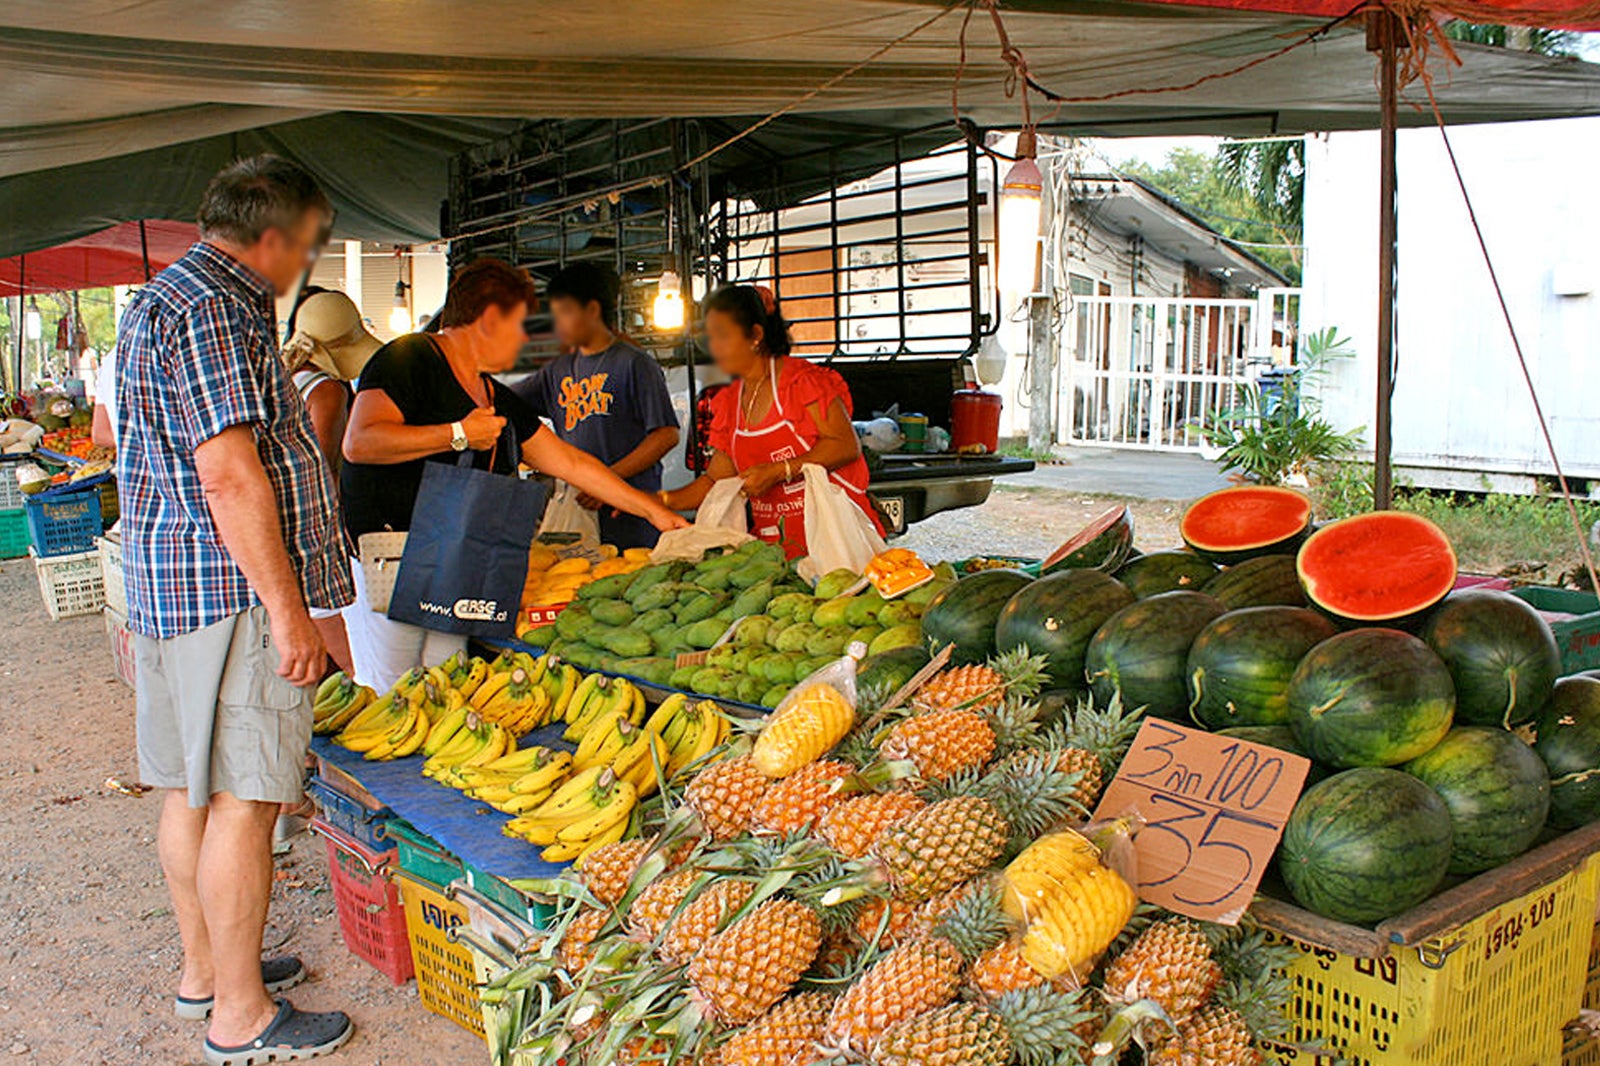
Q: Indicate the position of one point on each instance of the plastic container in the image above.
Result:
(420, 856)
(914, 428)
(447, 975)
(499, 940)
(536, 912)
(11, 495)
(975, 420)
(371, 916)
(70, 584)
(352, 817)
(13, 533)
(120, 637)
(1497, 987)
(65, 524)
(1577, 625)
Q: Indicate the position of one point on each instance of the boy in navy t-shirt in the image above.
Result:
(604, 395)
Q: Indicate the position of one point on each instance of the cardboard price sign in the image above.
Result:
(1213, 809)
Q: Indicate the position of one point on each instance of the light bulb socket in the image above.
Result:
(1028, 144)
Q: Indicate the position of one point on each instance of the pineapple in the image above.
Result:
(1002, 969)
(872, 927)
(980, 688)
(1170, 963)
(725, 794)
(794, 804)
(703, 918)
(961, 1034)
(573, 954)
(811, 722)
(942, 744)
(754, 962)
(1084, 764)
(1105, 732)
(852, 827)
(1073, 905)
(608, 868)
(941, 846)
(783, 1036)
(915, 977)
(1213, 1036)
(653, 908)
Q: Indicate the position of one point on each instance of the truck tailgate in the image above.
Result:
(909, 488)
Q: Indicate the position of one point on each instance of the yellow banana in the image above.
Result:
(330, 684)
(463, 743)
(485, 693)
(581, 696)
(637, 713)
(522, 802)
(408, 681)
(536, 668)
(476, 674)
(538, 834)
(493, 749)
(491, 794)
(372, 712)
(518, 761)
(546, 776)
(419, 734)
(445, 728)
(571, 796)
(610, 836)
(337, 719)
(614, 804)
(600, 742)
(662, 717)
(565, 690)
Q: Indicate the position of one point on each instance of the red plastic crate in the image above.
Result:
(371, 916)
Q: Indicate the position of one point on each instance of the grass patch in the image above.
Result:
(1018, 449)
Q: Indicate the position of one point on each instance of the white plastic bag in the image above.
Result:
(566, 515)
(839, 535)
(719, 523)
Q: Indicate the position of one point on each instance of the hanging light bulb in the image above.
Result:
(400, 314)
(1021, 199)
(668, 308)
(32, 321)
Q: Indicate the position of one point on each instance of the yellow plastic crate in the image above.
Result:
(1496, 989)
(447, 974)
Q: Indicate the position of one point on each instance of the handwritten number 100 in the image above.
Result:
(1242, 773)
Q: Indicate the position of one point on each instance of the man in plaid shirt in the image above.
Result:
(230, 532)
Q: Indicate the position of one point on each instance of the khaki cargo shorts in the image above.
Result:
(214, 716)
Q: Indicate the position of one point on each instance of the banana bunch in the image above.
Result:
(461, 740)
(515, 698)
(512, 784)
(632, 752)
(389, 727)
(688, 732)
(595, 697)
(593, 808)
(338, 700)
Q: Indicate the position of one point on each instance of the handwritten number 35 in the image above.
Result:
(1213, 850)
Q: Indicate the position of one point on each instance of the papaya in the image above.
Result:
(704, 633)
(834, 582)
(608, 588)
(794, 638)
(753, 600)
(611, 612)
(703, 605)
(905, 635)
(831, 642)
(752, 630)
(834, 612)
(864, 607)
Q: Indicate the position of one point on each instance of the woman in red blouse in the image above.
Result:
(778, 415)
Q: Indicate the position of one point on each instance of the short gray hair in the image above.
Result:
(250, 196)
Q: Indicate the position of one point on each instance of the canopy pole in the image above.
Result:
(1383, 36)
(19, 323)
(144, 250)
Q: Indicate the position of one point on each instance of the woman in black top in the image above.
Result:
(427, 398)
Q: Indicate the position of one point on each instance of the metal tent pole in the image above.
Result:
(1383, 36)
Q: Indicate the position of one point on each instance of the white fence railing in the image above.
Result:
(1148, 372)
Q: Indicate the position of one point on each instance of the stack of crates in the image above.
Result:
(63, 527)
(447, 974)
(367, 900)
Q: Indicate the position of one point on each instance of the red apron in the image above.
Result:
(779, 515)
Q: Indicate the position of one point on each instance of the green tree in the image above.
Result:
(1560, 43)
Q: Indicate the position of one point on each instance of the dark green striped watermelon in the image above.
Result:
(1280, 737)
(1269, 581)
(1370, 697)
(1168, 571)
(880, 676)
(1141, 651)
(1365, 845)
(1569, 744)
(1240, 665)
(1057, 616)
(1496, 788)
(964, 613)
(1500, 652)
(1104, 544)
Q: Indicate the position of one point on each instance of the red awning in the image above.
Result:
(1554, 14)
(113, 256)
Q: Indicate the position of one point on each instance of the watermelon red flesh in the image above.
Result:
(1234, 524)
(1569, 744)
(1500, 652)
(1141, 651)
(1381, 567)
(1057, 616)
(964, 613)
(1103, 544)
(1496, 788)
(1365, 845)
(1240, 665)
(1370, 697)
(1267, 581)
(1168, 571)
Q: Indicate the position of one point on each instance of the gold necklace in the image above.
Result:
(749, 403)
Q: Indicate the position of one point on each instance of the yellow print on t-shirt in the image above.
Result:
(584, 397)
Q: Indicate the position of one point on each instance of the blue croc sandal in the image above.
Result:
(284, 971)
(292, 1036)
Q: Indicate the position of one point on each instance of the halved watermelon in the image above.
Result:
(1104, 544)
(1386, 566)
(1231, 525)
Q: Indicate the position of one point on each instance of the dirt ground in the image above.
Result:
(92, 952)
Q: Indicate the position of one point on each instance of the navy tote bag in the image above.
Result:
(466, 555)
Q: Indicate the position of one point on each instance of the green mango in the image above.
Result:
(656, 621)
(726, 616)
(752, 630)
(722, 657)
(625, 643)
(898, 612)
(660, 595)
(754, 573)
(787, 670)
(681, 676)
(648, 578)
(923, 595)
(834, 582)
(906, 635)
(834, 612)
(784, 606)
(773, 696)
(702, 606)
(583, 656)
(794, 638)
(775, 630)
(574, 621)
(614, 587)
(651, 668)
(541, 637)
(811, 664)
(864, 608)
(753, 600)
(740, 662)
(749, 689)
(710, 679)
(716, 579)
(704, 633)
(865, 635)
(830, 642)
(611, 612)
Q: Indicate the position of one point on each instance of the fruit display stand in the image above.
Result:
(1489, 970)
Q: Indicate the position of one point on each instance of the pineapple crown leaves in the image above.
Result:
(1255, 976)
(1025, 673)
(962, 783)
(1106, 731)
(1015, 723)
(1043, 1023)
(1033, 793)
(976, 921)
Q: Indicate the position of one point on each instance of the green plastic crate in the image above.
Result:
(420, 856)
(1577, 636)
(13, 533)
(536, 912)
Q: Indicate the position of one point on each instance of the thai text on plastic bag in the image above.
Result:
(719, 523)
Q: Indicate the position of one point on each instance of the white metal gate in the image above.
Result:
(1149, 372)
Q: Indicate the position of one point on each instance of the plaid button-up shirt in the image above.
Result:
(197, 354)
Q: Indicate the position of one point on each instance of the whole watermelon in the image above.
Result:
(1240, 665)
(880, 676)
(964, 614)
(1057, 616)
(1500, 652)
(1497, 790)
(1280, 737)
(1141, 651)
(1370, 697)
(1266, 581)
(1365, 845)
(1569, 744)
(1168, 571)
